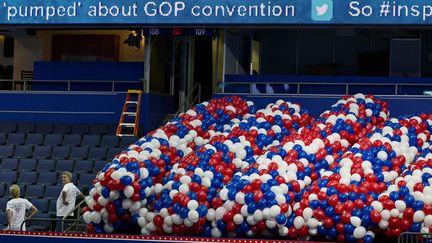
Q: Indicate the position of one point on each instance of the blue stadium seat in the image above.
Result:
(112, 129)
(80, 128)
(64, 165)
(99, 129)
(23, 152)
(27, 177)
(72, 140)
(47, 178)
(42, 152)
(16, 138)
(53, 139)
(40, 204)
(112, 152)
(83, 166)
(91, 140)
(34, 139)
(8, 177)
(98, 165)
(109, 141)
(46, 165)
(62, 128)
(3, 202)
(3, 138)
(60, 152)
(125, 141)
(8, 127)
(34, 191)
(25, 127)
(52, 192)
(2, 190)
(86, 179)
(9, 164)
(27, 164)
(77, 153)
(3, 219)
(44, 128)
(97, 153)
(6, 151)
(53, 205)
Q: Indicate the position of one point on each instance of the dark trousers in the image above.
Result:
(58, 227)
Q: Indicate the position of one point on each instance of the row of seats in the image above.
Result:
(42, 178)
(66, 140)
(58, 152)
(40, 165)
(61, 128)
(31, 192)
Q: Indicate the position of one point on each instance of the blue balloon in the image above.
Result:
(126, 180)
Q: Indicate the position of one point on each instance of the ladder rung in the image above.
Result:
(132, 102)
(129, 113)
(124, 135)
(127, 124)
(135, 91)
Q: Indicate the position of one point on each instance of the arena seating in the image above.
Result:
(34, 155)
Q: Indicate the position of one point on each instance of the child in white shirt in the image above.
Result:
(16, 209)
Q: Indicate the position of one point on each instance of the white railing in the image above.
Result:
(190, 99)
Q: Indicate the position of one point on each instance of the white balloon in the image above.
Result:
(428, 220)
(128, 191)
(418, 216)
(192, 205)
(211, 214)
(87, 217)
(215, 233)
(238, 219)
(193, 216)
(126, 204)
(108, 228)
(356, 221)
(95, 217)
(359, 232)
(307, 213)
(274, 211)
(298, 222)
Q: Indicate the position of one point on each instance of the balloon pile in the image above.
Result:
(224, 169)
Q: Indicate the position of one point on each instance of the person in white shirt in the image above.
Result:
(66, 199)
(16, 209)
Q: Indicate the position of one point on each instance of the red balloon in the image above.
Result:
(375, 216)
(158, 220)
(112, 218)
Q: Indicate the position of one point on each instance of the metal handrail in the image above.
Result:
(414, 237)
(298, 85)
(43, 219)
(79, 216)
(186, 102)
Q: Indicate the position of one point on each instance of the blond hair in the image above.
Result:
(15, 191)
(67, 174)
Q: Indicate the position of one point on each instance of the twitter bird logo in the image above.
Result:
(322, 10)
